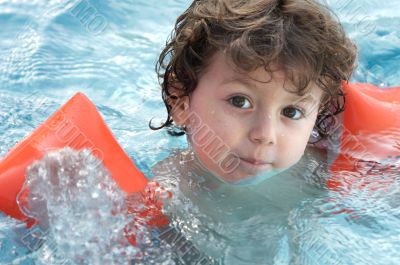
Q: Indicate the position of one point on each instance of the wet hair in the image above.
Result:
(303, 37)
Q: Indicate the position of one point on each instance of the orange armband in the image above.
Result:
(370, 138)
(78, 125)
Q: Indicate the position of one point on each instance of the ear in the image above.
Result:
(179, 109)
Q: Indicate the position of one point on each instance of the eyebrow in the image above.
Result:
(305, 99)
(240, 80)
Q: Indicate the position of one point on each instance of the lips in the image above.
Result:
(255, 162)
(255, 166)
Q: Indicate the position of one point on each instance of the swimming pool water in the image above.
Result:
(51, 49)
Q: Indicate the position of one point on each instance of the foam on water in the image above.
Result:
(81, 212)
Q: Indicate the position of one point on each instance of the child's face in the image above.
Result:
(265, 126)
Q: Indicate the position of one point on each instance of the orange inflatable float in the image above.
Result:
(78, 125)
(370, 137)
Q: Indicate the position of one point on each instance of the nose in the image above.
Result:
(263, 130)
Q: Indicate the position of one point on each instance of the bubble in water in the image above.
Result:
(81, 209)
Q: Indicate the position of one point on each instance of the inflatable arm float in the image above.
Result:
(78, 125)
(370, 135)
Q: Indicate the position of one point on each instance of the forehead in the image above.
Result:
(222, 70)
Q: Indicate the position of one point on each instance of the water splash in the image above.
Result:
(80, 210)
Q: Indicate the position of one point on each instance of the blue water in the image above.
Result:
(48, 51)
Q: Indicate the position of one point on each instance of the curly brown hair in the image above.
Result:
(303, 37)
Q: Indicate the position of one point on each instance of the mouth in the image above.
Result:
(256, 164)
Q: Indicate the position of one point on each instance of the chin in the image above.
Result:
(250, 179)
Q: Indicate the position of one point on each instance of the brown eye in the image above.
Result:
(293, 113)
(240, 102)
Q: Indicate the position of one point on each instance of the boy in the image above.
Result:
(254, 86)
(250, 82)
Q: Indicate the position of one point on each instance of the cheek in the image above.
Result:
(294, 143)
(213, 121)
